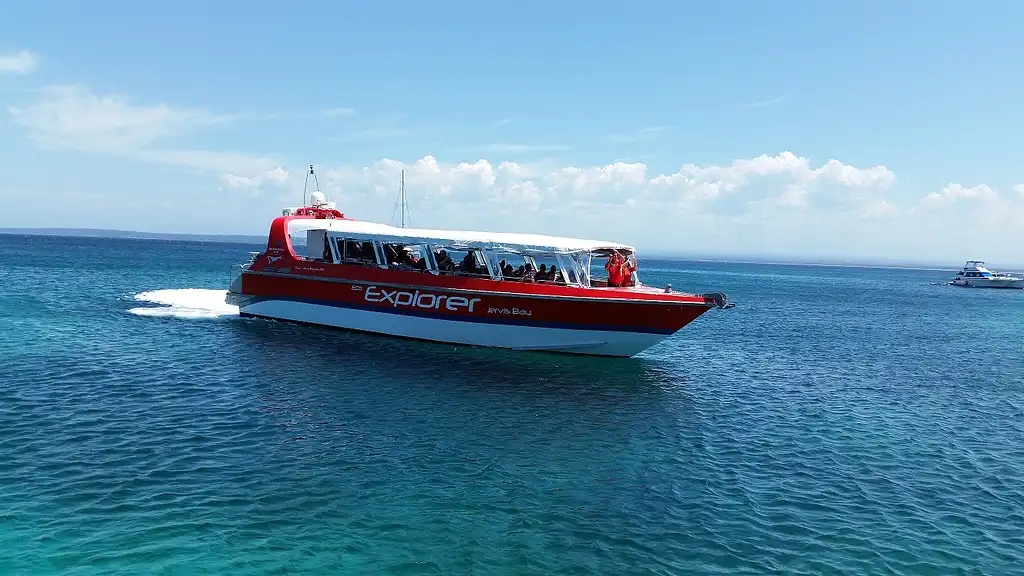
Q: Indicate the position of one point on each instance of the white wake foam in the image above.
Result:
(185, 303)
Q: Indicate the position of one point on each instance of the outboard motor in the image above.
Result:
(718, 299)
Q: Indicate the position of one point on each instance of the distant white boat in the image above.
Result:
(975, 275)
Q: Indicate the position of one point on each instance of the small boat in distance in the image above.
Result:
(975, 275)
(504, 290)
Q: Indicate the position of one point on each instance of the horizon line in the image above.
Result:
(704, 257)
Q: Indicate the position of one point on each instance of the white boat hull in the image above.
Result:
(989, 282)
(591, 342)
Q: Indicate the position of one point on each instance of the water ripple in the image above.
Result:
(815, 429)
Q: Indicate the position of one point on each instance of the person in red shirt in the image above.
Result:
(627, 269)
(614, 268)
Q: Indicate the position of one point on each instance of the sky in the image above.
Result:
(848, 129)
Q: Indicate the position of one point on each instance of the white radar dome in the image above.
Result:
(317, 199)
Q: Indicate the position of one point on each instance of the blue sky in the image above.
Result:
(863, 129)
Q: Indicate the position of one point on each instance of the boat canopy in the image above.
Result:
(502, 241)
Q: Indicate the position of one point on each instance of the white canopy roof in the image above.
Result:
(455, 238)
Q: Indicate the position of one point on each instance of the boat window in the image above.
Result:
(461, 262)
(548, 269)
(317, 247)
(568, 269)
(512, 265)
(406, 257)
(356, 251)
(598, 272)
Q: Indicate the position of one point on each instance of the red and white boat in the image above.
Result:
(383, 279)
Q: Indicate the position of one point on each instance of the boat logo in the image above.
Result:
(417, 299)
(273, 259)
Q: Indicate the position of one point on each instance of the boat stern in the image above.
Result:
(235, 296)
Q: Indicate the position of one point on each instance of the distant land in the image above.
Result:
(99, 233)
(652, 254)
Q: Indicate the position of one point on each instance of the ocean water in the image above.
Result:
(837, 421)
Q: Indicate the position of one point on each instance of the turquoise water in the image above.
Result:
(837, 421)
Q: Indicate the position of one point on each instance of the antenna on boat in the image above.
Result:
(401, 201)
(306, 183)
(328, 178)
(405, 208)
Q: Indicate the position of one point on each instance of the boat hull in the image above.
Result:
(576, 325)
(990, 283)
(515, 337)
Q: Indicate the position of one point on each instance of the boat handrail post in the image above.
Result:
(585, 264)
(236, 270)
(491, 263)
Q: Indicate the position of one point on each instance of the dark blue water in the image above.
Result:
(837, 421)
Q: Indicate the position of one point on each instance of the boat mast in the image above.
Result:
(328, 196)
(401, 203)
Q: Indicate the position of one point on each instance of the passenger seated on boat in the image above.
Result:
(405, 261)
(554, 276)
(444, 262)
(528, 274)
(508, 272)
(353, 253)
(369, 255)
(391, 255)
(468, 264)
(542, 274)
(520, 271)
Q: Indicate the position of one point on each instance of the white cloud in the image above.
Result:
(22, 62)
(770, 204)
(981, 205)
(276, 176)
(767, 182)
(75, 118)
(72, 117)
(959, 220)
(956, 192)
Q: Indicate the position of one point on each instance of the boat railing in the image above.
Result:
(237, 270)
